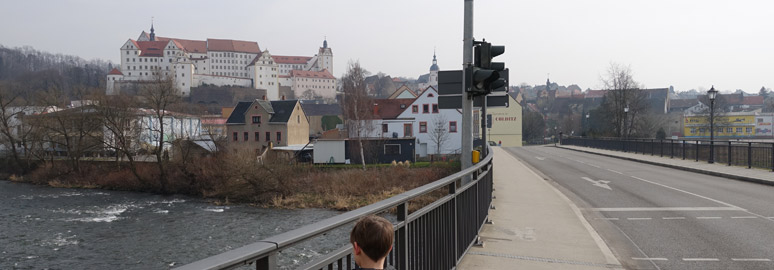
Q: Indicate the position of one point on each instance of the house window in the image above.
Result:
(408, 130)
(385, 128)
(392, 149)
(257, 136)
(430, 95)
(738, 130)
(693, 130)
(729, 130)
(435, 108)
(268, 136)
(256, 119)
(246, 136)
(422, 127)
(236, 136)
(453, 126)
(279, 136)
(425, 108)
(748, 130)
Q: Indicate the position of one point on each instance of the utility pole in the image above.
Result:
(467, 100)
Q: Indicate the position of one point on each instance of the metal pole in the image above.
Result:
(467, 101)
(711, 158)
(484, 149)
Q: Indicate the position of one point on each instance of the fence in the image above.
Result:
(433, 237)
(733, 153)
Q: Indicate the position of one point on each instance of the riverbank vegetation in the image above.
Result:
(229, 178)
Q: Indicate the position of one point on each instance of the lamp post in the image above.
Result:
(711, 94)
(588, 125)
(626, 115)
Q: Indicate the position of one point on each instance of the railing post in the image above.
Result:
(401, 252)
(749, 155)
(671, 148)
(652, 147)
(267, 263)
(772, 157)
(623, 142)
(661, 146)
(683, 149)
(729, 153)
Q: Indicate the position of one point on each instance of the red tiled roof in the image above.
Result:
(191, 46)
(753, 100)
(390, 108)
(115, 71)
(312, 74)
(280, 59)
(152, 48)
(595, 93)
(683, 103)
(228, 45)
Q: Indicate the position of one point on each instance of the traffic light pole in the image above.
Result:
(467, 100)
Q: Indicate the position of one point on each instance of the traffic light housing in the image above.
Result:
(486, 76)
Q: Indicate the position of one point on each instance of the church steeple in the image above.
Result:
(434, 67)
(152, 33)
(325, 43)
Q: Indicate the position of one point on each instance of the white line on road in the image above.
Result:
(750, 260)
(639, 218)
(609, 218)
(708, 217)
(668, 218)
(641, 209)
(701, 259)
(746, 217)
(690, 193)
(649, 259)
(615, 171)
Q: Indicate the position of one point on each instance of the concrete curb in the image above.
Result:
(702, 171)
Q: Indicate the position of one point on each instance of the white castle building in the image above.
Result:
(222, 62)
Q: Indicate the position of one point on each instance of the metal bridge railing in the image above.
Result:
(433, 237)
(732, 153)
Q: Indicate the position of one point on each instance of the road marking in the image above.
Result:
(615, 171)
(701, 259)
(670, 209)
(609, 218)
(746, 217)
(649, 259)
(690, 193)
(750, 260)
(639, 218)
(599, 183)
(540, 158)
(708, 217)
(673, 218)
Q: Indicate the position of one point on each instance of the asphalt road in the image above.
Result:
(660, 218)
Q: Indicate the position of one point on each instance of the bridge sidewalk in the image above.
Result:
(535, 226)
(716, 169)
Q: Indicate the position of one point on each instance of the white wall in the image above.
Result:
(325, 150)
(453, 142)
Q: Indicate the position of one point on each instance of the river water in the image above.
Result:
(54, 228)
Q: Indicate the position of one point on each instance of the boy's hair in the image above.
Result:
(374, 235)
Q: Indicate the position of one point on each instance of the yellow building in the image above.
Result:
(730, 125)
(506, 124)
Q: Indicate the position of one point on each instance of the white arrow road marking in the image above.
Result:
(600, 183)
(540, 158)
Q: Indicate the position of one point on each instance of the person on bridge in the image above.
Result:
(371, 240)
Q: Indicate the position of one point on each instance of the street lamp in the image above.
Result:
(711, 94)
(626, 114)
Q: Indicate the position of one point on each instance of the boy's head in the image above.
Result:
(373, 235)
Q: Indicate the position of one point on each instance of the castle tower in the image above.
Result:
(433, 79)
(325, 57)
(152, 33)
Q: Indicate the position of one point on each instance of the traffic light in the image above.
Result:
(486, 76)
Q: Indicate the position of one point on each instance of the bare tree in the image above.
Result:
(17, 137)
(623, 92)
(121, 127)
(439, 135)
(357, 105)
(159, 95)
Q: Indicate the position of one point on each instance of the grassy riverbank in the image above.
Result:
(228, 179)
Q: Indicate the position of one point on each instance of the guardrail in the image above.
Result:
(732, 153)
(433, 237)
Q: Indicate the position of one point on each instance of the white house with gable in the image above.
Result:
(431, 123)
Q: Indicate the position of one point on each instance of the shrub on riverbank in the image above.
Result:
(238, 178)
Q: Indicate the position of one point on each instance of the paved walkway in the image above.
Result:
(535, 226)
(716, 169)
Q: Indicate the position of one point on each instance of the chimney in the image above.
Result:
(376, 108)
(264, 97)
(283, 97)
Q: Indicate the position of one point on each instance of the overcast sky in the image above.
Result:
(686, 43)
